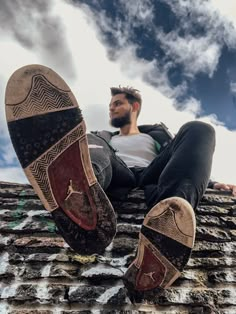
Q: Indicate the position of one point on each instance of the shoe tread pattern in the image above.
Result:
(166, 224)
(177, 253)
(38, 169)
(33, 136)
(88, 242)
(42, 97)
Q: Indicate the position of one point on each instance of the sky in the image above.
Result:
(181, 55)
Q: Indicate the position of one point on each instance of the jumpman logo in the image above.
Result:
(71, 190)
(151, 274)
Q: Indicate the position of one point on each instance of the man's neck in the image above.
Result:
(129, 129)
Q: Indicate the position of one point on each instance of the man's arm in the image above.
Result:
(225, 187)
(222, 186)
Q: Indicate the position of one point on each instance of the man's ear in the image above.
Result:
(136, 106)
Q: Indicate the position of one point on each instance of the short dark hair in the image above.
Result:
(131, 94)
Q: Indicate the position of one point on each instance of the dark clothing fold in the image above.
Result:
(181, 168)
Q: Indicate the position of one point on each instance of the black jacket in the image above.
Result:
(159, 132)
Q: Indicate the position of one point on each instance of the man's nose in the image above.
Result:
(111, 108)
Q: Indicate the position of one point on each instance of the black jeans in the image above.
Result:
(182, 169)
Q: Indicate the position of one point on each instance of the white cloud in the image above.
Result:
(95, 74)
(195, 54)
(8, 155)
(233, 87)
(13, 174)
(227, 9)
(139, 12)
(225, 155)
(200, 53)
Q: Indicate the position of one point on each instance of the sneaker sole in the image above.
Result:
(165, 244)
(49, 136)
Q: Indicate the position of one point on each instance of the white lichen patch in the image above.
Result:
(109, 247)
(23, 224)
(101, 270)
(9, 291)
(46, 270)
(4, 262)
(108, 294)
(42, 291)
(32, 213)
(121, 261)
(4, 308)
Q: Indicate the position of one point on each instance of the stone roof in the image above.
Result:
(40, 274)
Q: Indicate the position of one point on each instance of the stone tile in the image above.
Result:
(207, 220)
(219, 276)
(99, 295)
(129, 229)
(212, 210)
(226, 248)
(33, 241)
(211, 263)
(101, 271)
(214, 199)
(212, 234)
(229, 222)
(124, 245)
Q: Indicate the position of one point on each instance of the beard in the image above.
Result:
(121, 121)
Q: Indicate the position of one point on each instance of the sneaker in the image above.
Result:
(49, 136)
(165, 244)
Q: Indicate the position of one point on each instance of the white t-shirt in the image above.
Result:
(135, 150)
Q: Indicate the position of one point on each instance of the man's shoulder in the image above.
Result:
(105, 134)
(147, 128)
(159, 132)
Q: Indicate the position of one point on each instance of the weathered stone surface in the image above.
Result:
(99, 295)
(211, 262)
(226, 296)
(213, 234)
(208, 220)
(85, 294)
(32, 311)
(40, 274)
(231, 310)
(49, 270)
(198, 277)
(129, 229)
(130, 208)
(6, 240)
(229, 222)
(31, 241)
(211, 248)
(51, 293)
(6, 270)
(233, 210)
(42, 257)
(219, 276)
(129, 218)
(218, 199)
(233, 234)
(124, 245)
(212, 210)
(101, 271)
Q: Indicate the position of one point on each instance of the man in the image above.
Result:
(70, 171)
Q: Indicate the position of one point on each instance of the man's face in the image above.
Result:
(120, 111)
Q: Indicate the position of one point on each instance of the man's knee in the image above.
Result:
(199, 128)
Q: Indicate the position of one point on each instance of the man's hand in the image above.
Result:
(225, 187)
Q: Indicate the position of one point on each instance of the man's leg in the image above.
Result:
(183, 168)
(48, 134)
(181, 174)
(110, 170)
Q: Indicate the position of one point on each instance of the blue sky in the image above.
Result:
(180, 54)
